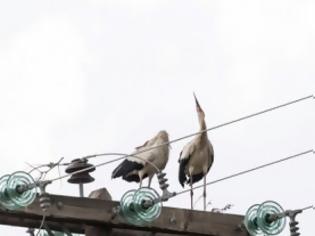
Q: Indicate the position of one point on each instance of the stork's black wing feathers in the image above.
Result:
(181, 175)
(196, 178)
(125, 168)
(133, 178)
(199, 176)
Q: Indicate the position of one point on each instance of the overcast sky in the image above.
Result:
(86, 77)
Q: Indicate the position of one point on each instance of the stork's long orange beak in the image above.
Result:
(197, 104)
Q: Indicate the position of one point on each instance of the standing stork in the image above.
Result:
(144, 164)
(196, 158)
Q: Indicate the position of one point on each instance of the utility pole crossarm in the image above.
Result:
(74, 213)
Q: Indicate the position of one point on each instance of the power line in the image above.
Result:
(124, 154)
(250, 170)
(184, 137)
(41, 225)
(308, 208)
(105, 163)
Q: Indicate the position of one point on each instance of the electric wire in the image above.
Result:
(247, 171)
(308, 208)
(106, 163)
(50, 167)
(285, 213)
(185, 137)
(124, 154)
(41, 225)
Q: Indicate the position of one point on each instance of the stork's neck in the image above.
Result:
(203, 127)
(202, 122)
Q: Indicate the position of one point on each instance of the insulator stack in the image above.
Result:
(44, 201)
(294, 229)
(44, 198)
(164, 186)
(82, 177)
(162, 180)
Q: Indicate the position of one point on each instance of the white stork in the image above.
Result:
(196, 158)
(136, 168)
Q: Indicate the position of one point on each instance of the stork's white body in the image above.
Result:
(152, 159)
(147, 163)
(200, 155)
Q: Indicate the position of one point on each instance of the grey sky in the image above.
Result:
(86, 77)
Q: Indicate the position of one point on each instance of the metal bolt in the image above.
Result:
(173, 220)
(115, 212)
(59, 205)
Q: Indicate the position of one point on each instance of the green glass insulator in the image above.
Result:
(250, 221)
(267, 209)
(21, 179)
(127, 208)
(147, 205)
(42, 233)
(5, 200)
(55, 233)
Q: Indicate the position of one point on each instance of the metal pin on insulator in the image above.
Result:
(44, 201)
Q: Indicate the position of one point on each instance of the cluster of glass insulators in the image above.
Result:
(141, 206)
(17, 190)
(138, 207)
(267, 218)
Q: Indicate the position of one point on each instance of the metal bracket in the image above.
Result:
(163, 186)
(44, 199)
(293, 223)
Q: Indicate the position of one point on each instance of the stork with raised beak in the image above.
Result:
(196, 158)
(141, 163)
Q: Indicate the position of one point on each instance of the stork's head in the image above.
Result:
(163, 135)
(200, 112)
